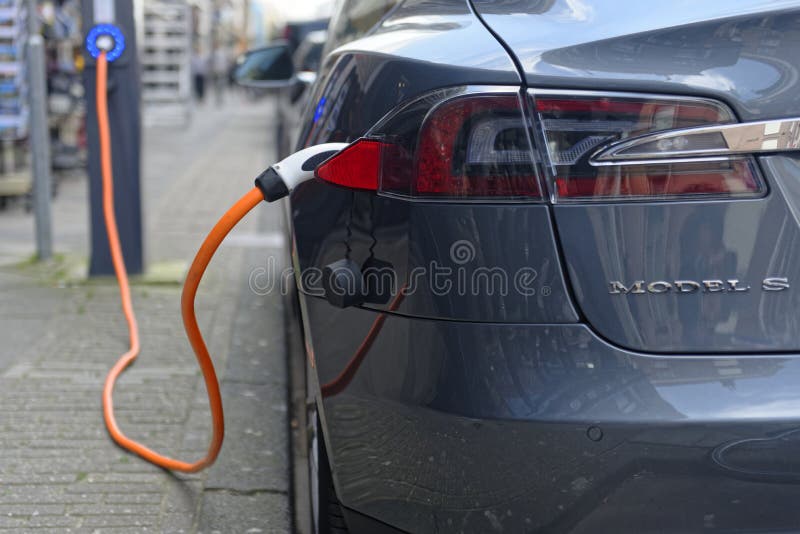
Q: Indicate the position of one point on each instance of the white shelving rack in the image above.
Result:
(15, 176)
(165, 55)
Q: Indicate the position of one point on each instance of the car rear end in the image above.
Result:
(580, 344)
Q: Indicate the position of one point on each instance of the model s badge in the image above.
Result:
(732, 285)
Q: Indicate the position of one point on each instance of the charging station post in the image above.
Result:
(114, 18)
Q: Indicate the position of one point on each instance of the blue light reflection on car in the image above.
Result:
(320, 109)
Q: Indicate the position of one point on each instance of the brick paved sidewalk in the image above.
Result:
(59, 471)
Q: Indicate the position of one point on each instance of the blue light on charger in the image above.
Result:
(110, 30)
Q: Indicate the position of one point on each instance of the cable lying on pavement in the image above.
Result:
(273, 184)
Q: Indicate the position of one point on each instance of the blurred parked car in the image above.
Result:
(295, 32)
(588, 214)
(293, 99)
(290, 97)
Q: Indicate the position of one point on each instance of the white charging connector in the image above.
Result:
(280, 179)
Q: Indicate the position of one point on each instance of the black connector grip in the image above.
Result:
(313, 162)
(271, 185)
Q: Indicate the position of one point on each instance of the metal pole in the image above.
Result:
(39, 136)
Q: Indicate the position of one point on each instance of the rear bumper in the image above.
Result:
(479, 427)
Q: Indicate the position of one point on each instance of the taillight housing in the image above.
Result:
(477, 144)
(574, 125)
(466, 143)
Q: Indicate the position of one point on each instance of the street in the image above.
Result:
(59, 470)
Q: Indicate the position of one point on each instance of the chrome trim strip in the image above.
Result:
(760, 137)
(592, 93)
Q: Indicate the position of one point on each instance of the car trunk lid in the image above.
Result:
(695, 257)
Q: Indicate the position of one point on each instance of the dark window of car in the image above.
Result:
(311, 61)
(269, 63)
(309, 54)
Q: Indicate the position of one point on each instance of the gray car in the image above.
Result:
(553, 285)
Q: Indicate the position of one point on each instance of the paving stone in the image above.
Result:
(114, 487)
(254, 457)
(42, 521)
(12, 522)
(9, 479)
(264, 512)
(10, 510)
(133, 498)
(258, 347)
(183, 497)
(120, 521)
(114, 509)
(50, 530)
(176, 522)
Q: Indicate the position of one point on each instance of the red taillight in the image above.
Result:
(357, 166)
(663, 181)
(474, 144)
(703, 112)
(575, 126)
(453, 144)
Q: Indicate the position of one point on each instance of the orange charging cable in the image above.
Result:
(195, 274)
